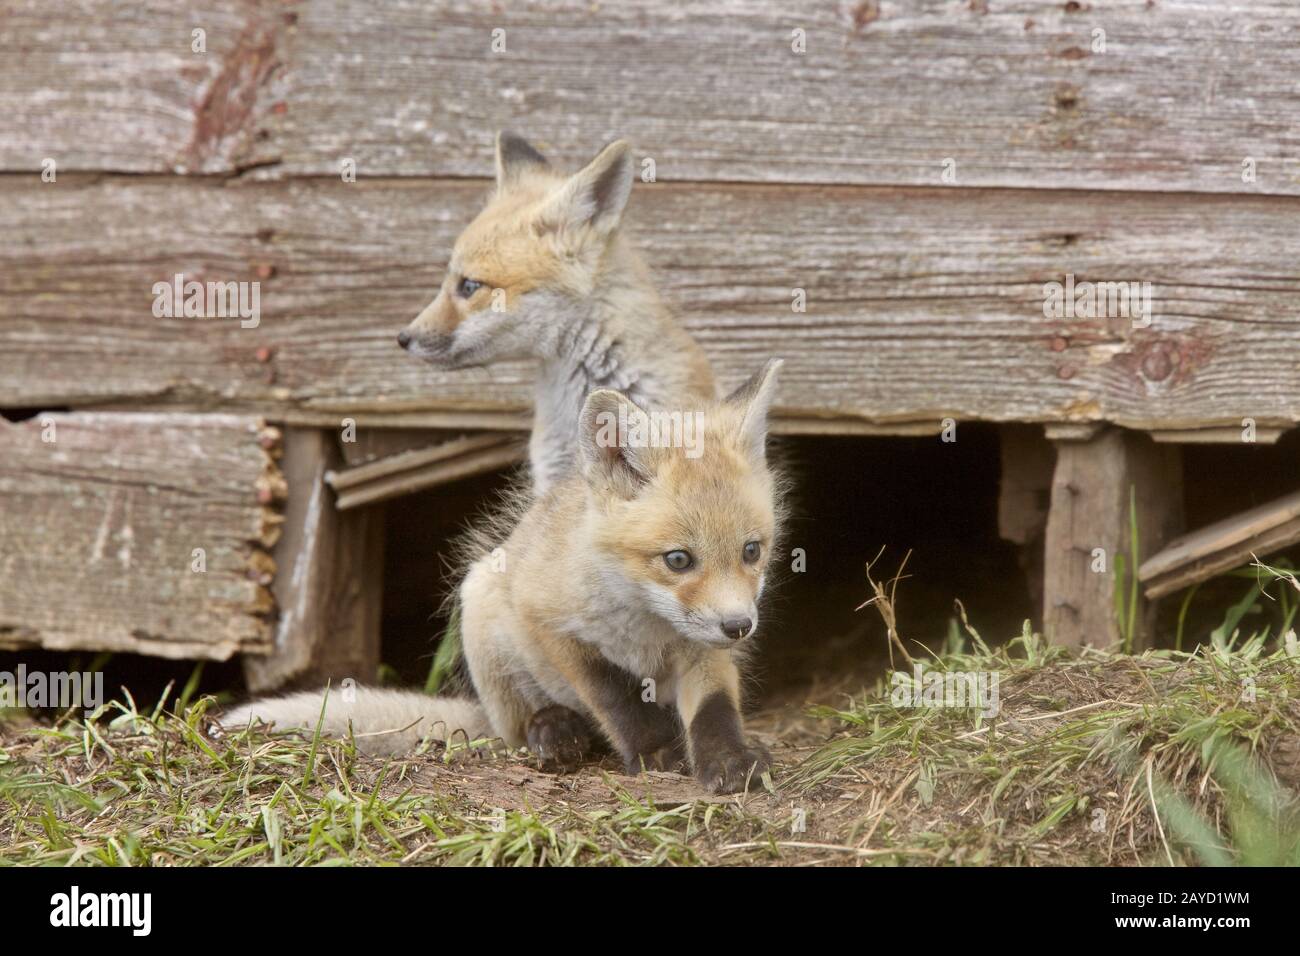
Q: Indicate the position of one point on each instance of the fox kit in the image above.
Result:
(621, 606)
(545, 272)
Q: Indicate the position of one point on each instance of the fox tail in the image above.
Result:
(384, 722)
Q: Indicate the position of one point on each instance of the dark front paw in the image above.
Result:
(728, 771)
(559, 738)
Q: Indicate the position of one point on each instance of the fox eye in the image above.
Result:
(752, 550)
(679, 560)
(468, 287)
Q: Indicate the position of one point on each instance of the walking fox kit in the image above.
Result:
(544, 272)
(629, 588)
(622, 603)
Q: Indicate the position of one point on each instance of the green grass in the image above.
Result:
(127, 788)
(447, 656)
(1093, 758)
(1101, 758)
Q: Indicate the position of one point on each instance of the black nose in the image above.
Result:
(737, 627)
(403, 338)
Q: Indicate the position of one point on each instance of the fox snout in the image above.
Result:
(734, 620)
(737, 627)
(423, 342)
(426, 345)
(429, 335)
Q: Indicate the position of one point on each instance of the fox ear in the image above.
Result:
(595, 195)
(611, 456)
(754, 399)
(515, 155)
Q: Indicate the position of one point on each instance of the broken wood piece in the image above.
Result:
(367, 444)
(140, 533)
(412, 471)
(1024, 492)
(330, 584)
(1025, 485)
(411, 459)
(1223, 546)
(1088, 529)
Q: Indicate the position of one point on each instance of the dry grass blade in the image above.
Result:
(884, 600)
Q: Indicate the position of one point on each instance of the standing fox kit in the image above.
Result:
(621, 605)
(544, 272)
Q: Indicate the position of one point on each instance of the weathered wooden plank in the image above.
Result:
(429, 474)
(921, 304)
(1016, 94)
(113, 85)
(1024, 488)
(1268, 542)
(1222, 546)
(363, 445)
(146, 533)
(1227, 435)
(1028, 460)
(410, 459)
(330, 588)
(1098, 488)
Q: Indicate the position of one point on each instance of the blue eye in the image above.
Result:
(467, 288)
(679, 560)
(752, 550)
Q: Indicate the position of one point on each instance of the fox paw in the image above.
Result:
(559, 738)
(728, 771)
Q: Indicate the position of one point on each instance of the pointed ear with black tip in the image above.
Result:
(754, 399)
(515, 155)
(594, 196)
(612, 456)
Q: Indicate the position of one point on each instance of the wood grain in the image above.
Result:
(1231, 543)
(99, 527)
(109, 85)
(921, 303)
(1014, 93)
(330, 588)
(1097, 486)
(501, 453)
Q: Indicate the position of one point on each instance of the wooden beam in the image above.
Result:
(1024, 492)
(331, 582)
(1087, 553)
(390, 465)
(100, 89)
(145, 534)
(1174, 102)
(372, 443)
(1072, 431)
(891, 339)
(1229, 435)
(419, 469)
(1222, 546)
